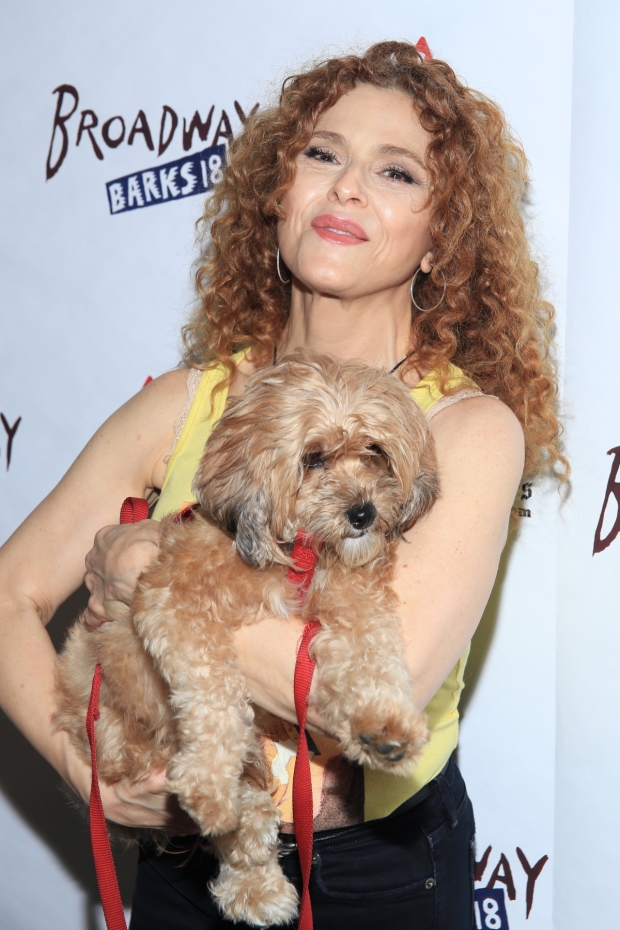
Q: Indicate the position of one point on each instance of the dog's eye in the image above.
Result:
(314, 460)
(378, 453)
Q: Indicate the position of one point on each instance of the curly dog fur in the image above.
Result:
(334, 448)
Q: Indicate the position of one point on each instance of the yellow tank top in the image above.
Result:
(342, 793)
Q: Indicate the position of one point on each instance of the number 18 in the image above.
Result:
(492, 919)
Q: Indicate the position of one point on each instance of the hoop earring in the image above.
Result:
(283, 280)
(417, 306)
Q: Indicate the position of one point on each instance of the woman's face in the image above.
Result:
(356, 218)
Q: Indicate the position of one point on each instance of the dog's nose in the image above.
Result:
(361, 515)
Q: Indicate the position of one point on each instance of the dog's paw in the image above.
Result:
(392, 745)
(388, 750)
(259, 896)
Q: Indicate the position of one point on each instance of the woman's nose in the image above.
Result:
(350, 185)
(361, 516)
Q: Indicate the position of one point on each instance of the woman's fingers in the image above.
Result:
(146, 803)
(117, 559)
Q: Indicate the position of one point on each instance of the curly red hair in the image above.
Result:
(491, 322)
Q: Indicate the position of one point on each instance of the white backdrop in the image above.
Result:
(93, 303)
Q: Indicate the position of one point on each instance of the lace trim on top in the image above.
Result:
(454, 399)
(193, 380)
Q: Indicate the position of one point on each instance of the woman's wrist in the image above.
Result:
(73, 770)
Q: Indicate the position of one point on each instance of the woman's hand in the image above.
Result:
(146, 803)
(119, 556)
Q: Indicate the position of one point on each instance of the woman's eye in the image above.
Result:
(319, 154)
(398, 174)
(314, 460)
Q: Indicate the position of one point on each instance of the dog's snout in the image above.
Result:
(361, 516)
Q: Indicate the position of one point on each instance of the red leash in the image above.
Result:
(99, 838)
(303, 813)
(133, 510)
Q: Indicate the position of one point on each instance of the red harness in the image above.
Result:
(133, 510)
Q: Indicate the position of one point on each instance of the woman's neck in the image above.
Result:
(376, 328)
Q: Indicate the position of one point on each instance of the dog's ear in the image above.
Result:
(245, 482)
(249, 521)
(424, 490)
(234, 500)
(410, 449)
(392, 421)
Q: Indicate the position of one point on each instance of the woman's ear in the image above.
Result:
(426, 265)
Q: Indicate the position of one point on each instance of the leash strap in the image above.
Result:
(303, 813)
(99, 838)
(305, 559)
(187, 514)
(133, 510)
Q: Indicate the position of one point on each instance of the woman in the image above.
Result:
(374, 213)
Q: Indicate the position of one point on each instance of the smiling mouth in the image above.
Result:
(339, 230)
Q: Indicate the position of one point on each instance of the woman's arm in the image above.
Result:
(446, 567)
(43, 563)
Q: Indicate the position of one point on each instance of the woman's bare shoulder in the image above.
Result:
(140, 434)
(482, 434)
(162, 393)
(154, 412)
(484, 420)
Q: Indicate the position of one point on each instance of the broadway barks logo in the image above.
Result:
(195, 174)
(191, 174)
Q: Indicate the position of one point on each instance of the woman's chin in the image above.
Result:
(342, 283)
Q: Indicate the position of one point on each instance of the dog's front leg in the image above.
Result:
(208, 694)
(363, 687)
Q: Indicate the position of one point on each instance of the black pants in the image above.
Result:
(413, 869)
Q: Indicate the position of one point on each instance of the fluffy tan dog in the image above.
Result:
(341, 451)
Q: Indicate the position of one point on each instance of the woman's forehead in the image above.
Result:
(386, 116)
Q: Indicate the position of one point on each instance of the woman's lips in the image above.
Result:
(337, 229)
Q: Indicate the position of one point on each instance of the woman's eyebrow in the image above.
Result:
(334, 137)
(396, 152)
